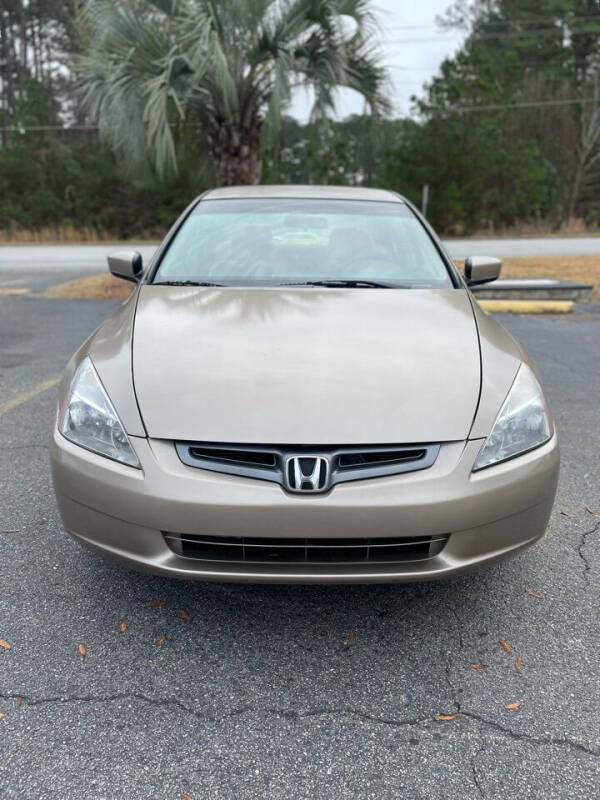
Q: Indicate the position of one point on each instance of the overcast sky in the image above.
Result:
(413, 48)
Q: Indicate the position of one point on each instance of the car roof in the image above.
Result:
(302, 192)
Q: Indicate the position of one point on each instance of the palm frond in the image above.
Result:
(235, 63)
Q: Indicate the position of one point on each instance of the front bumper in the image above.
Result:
(123, 512)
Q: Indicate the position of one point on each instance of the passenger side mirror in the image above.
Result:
(481, 269)
(126, 264)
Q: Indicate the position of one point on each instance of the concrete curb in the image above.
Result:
(527, 306)
(534, 289)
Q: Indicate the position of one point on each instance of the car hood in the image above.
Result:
(306, 365)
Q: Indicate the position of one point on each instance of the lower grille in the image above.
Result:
(259, 550)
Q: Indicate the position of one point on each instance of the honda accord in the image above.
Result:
(302, 387)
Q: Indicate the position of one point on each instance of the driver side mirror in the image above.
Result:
(126, 264)
(481, 269)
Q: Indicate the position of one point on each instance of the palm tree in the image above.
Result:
(227, 66)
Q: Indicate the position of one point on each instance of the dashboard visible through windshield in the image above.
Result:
(273, 242)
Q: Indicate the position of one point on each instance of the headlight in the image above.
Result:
(91, 421)
(524, 422)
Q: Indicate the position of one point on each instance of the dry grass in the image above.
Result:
(584, 269)
(575, 226)
(97, 287)
(61, 235)
(66, 234)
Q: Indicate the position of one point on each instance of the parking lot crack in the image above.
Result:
(459, 628)
(476, 781)
(582, 543)
(497, 727)
(559, 741)
(448, 667)
(292, 714)
(453, 692)
(157, 702)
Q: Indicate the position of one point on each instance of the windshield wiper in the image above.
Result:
(186, 283)
(344, 284)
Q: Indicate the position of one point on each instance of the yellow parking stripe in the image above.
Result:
(43, 386)
(528, 306)
(15, 290)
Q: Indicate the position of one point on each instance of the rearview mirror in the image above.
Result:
(126, 264)
(481, 269)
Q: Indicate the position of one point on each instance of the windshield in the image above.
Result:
(290, 241)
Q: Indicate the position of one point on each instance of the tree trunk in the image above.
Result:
(576, 186)
(237, 153)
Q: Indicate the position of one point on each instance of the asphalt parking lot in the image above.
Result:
(240, 691)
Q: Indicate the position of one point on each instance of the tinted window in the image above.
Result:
(273, 241)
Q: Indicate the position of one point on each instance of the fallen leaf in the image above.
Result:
(21, 701)
(185, 614)
(123, 626)
(159, 604)
(186, 796)
(513, 706)
(590, 511)
(2, 714)
(82, 650)
(350, 638)
(11, 530)
(539, 595)
(479, 665)
(566, 514)
(506, 647)
(6, 645)
(160, 641)
(447, 717)
(518, 663)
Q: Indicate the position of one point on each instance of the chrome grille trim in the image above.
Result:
(347, 463)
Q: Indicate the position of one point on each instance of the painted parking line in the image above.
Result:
(15, 290)
(17, 401)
